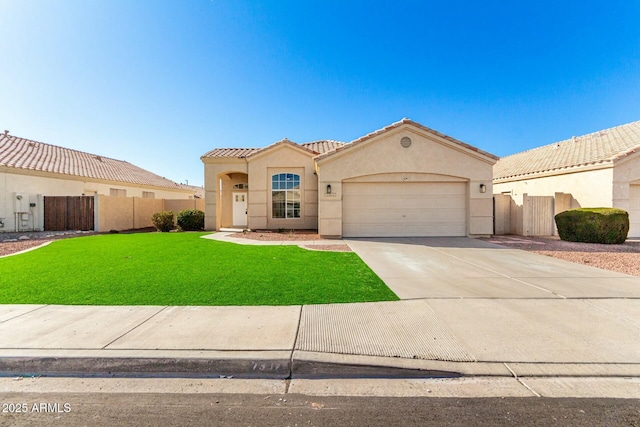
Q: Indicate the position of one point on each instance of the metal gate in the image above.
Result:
(63, 213)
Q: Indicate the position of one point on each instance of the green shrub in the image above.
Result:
(163, 221)
(593, 225)
(191, 220)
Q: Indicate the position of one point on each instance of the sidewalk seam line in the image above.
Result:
(27, 312)
(293, 349)
(136, 327)
(520, 381)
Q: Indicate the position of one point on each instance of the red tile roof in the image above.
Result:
(229, 152)
(21, 153)
(323, 146)
(317, 147)
(602, 147)
(326, 147)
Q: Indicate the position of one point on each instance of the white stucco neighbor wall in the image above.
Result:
(34, 183)
(428, 154)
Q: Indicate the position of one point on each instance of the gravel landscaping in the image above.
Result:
(272, 236)
(11, 243)
(623, 258)
(293, 235)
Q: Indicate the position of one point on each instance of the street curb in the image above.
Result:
(299, 365)
(146, 367)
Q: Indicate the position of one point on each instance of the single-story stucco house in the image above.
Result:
(601, 169)
(31, 170)
(402, 180)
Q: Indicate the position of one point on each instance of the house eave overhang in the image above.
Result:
(223, 160)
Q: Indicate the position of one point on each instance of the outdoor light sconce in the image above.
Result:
(328, 188)
(483, 188)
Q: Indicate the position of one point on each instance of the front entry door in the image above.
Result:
(240, 209)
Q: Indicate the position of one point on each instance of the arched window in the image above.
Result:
(285, 195)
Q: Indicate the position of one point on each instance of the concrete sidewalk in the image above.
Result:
(517, 315)
(406, 338)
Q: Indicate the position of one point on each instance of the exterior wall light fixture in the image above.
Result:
(483, 188)
(328, 188)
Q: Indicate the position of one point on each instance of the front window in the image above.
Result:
(285, 195)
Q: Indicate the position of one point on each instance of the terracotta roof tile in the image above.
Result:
(316, 147)
(600, 147)
(229, 152)
(323, 146)
(21, 153)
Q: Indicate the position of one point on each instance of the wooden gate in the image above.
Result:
(63, 213)
(538, 214)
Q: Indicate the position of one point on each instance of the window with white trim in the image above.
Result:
(285, 195)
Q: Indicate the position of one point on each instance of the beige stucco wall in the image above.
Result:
(36, 183)
(626, 173)
(257, 170)
(125, 213)
(428, 154)
(591, 188)
(283, 158)
(214, 171)
(228, 181)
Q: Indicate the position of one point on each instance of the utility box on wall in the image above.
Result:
(21, 203)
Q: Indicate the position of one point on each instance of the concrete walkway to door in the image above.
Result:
(460, 267)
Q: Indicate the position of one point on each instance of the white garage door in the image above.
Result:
(404, 209)
(634, 211)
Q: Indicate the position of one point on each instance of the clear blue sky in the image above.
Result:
(159, 83)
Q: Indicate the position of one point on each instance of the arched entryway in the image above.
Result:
(233, 200)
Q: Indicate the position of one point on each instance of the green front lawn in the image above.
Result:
(183, 269)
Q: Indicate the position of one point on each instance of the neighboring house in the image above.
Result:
(402, 180)
(30, 170)
(601, 169)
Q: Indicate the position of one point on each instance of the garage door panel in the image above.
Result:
(372, 189)
(404, 209)
(417, 202)
(403, 216)
(391, 230)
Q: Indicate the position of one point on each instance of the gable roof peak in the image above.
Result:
(405, 121)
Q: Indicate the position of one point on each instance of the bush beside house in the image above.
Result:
(163, 221)
(191, 220)
(593, 225)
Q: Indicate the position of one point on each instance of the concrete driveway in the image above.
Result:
(461, 267)
(499, 304)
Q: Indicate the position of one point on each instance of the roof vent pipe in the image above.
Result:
(6, 132)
